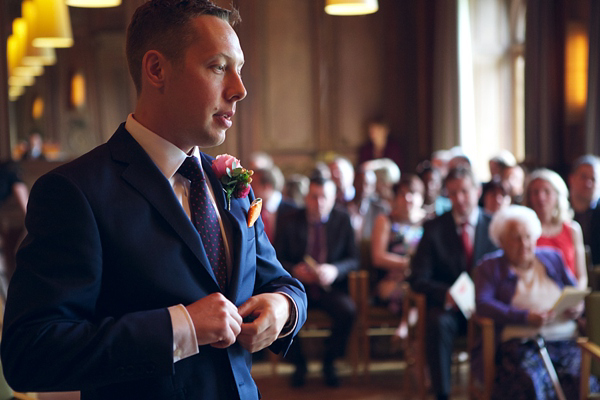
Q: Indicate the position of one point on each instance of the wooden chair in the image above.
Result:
(481, 332)
(318, 325)
(590, 350)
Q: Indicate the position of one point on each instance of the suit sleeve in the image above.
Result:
(349, 260)
(53, 338)
(422, 266)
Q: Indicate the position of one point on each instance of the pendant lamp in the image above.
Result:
(351, 7)
(34, 55)
(19, 37)
(53, 28)
(93, 3)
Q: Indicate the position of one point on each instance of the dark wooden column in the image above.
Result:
(4, 127)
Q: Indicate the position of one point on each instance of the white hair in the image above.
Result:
(563, 211)
(524, 215)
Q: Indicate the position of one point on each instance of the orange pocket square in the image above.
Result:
(254, 211)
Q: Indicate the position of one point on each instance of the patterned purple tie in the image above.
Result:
(205, 219)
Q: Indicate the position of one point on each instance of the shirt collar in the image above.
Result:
(472, 219)
(273, 203)
(167, 157)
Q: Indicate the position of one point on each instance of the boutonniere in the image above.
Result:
(235, 179)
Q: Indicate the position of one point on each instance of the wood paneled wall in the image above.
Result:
(313, 81)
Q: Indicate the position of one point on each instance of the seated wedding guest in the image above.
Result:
(439, 161)
(267, 184)
(342, 174)
(494, 196)
(379, 145)
(395, 238)
(366, 205)
(295, 189)
(458, 158)
(513, 177)
(451, 244)
(12, 231)
(388, 174)
(260, 160)
(584, 187)
(435, 203)
(547, 194)
(517, 287)
(316, 245)
(500, 161)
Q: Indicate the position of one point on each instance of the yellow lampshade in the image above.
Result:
(12, 53)
(34, 55)
(14, 92)
(93, 3)
(21, 80)
(19, 39)
(53, 28)
(351, 7)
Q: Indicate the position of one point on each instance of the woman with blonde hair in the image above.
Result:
(547, 194)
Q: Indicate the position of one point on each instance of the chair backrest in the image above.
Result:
(592, 310)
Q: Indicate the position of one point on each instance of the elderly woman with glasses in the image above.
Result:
(517, 287)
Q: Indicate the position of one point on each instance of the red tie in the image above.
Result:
(205, 219)
(467, 244)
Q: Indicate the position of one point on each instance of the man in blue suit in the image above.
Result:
(116, 292)
(452, 243)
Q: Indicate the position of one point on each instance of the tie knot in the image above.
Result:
(191, 170)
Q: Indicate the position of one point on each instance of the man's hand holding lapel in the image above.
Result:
(216, 320)
(270, 312)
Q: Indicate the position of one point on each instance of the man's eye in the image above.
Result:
(219, 68)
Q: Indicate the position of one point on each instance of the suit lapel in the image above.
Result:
(143, 175)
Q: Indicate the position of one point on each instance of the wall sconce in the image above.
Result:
(77, 97)
(53, 28)
(93, 3)
(37, 108)
(351, 7)
(576, 67)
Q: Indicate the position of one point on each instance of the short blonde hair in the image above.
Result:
(522, 214)
(563, 212)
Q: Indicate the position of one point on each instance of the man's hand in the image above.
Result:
(327, 274)
(304, 273)
(216, 320)
(270, 312)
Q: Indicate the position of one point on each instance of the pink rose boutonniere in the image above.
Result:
(235, 179)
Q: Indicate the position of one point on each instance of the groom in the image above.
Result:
(137, 279)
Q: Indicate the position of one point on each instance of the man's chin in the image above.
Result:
(213, 139)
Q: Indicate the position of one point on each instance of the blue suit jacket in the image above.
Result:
(109, 249)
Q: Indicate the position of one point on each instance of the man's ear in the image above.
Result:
(153, 68)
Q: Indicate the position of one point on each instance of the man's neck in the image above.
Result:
(581, 205)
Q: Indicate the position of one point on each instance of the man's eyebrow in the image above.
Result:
(227, 57)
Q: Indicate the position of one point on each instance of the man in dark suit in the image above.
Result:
(317, 246)
(117, 291)
(584, 194)
(452, 243)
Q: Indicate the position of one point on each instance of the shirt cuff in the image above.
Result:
(292, 321)
(185, 342)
